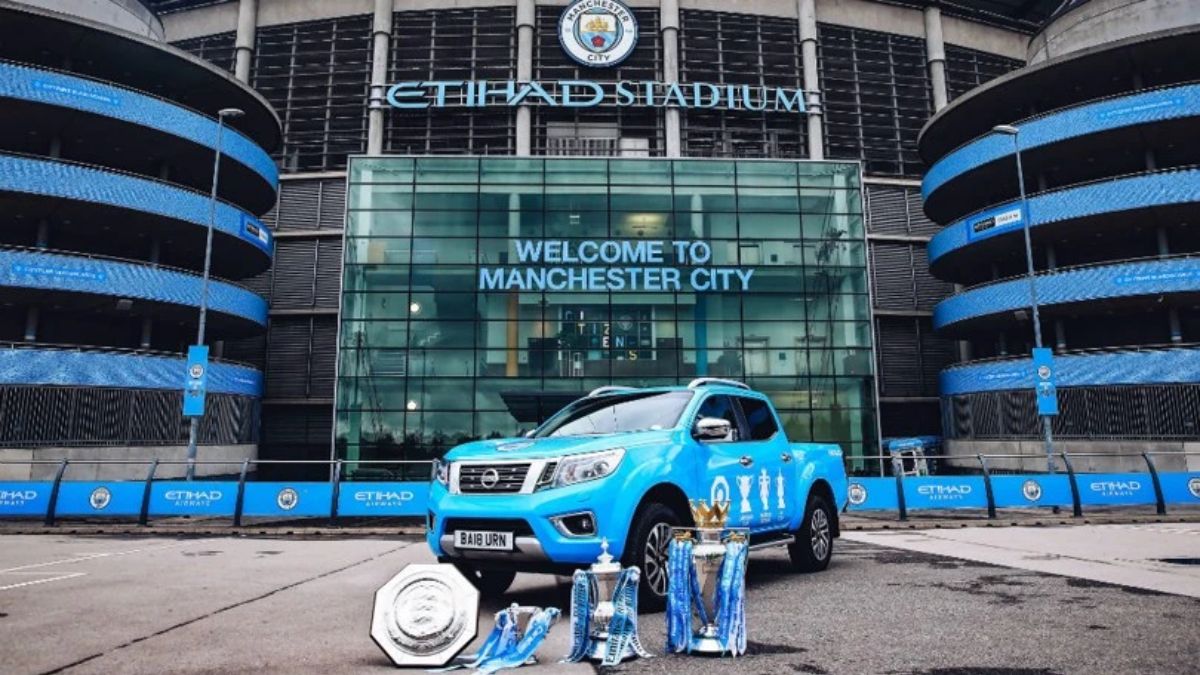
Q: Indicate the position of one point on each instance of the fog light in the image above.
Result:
(582, 524)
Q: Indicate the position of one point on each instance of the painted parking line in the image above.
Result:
(46, 580)
(95, 556)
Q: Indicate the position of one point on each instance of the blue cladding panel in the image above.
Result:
(21, 498)
(288, 499)
(872, 494)
(57, 367)
(1089, 118)
(86, 498)
(383, 499)
(33, 269)
(71, 181)
(28, 84)
(1178, 488)
(1115, 488)
(1152, 277)
(1141, 191)
(945, 492)
(1041, 490)
(194, 498)
(1077, 370)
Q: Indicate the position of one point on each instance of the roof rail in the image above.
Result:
(611, 389)
(706, 381)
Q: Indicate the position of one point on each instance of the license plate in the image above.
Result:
(483, 541)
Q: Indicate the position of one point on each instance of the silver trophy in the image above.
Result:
(425, 615)
(605, 571)
(708, 552)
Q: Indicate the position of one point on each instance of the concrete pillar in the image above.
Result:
(526, 17)
(935, 57)
(247, 29)
(668, 18)
(381, 37)
(807, 12)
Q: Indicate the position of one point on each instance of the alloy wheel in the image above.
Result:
(819, 531)
(656, 558)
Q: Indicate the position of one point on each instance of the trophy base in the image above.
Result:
(600, 647)
(705, 644)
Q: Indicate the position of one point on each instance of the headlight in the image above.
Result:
(582, 468)
(441, 471)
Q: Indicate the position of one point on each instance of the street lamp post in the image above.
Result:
(194, 426)
(1014, 132)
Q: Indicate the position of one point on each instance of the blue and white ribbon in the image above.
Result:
(681, 576)
(582, 591)
(731, 599)
(519, 653)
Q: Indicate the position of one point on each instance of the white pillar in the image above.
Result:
(526, 16)
(668, 17)
(806, 10)
(381, 37)
(935, 56)
(247, 27)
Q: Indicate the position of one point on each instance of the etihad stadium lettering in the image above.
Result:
(589, 94)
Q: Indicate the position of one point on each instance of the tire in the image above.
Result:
(647, 549)
(491, 583)
(813, 548)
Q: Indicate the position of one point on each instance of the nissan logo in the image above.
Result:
(489, 479)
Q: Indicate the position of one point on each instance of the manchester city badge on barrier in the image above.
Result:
(604, 613)
(707, 573)
(425, 615)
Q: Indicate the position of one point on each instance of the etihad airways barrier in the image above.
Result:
(143, 500)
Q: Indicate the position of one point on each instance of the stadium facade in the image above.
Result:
(802, 86)
(1105, 115)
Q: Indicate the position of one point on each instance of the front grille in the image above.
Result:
(518, 526)
(509, 478)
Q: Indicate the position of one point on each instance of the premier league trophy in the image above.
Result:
(707, 573)
(604, 612)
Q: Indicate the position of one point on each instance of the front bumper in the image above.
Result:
(541, 543)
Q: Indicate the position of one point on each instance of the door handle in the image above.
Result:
(746, 460)
(785, 457)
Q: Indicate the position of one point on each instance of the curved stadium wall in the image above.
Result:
(1113, 197)
(106, 206)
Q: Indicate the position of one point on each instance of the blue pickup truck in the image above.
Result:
(621, 464)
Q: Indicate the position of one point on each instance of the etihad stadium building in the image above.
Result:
(487, 207)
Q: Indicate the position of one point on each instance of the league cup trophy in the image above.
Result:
(517, 634)
(604, 612)
(707, 573)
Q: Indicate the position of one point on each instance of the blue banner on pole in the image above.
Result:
(288, 499)
(195, 383)
(1044, 381)
(88, 498)
(1180, 488)
(945, 492)
(193, 498)
(383, 499)
(872, 494)
(1115, 488)
(1032, 490)
(24, 498)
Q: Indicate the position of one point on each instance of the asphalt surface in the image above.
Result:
(274, 605)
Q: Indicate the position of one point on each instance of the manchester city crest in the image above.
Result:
(857, 494)
(100, 498)
(1194, 487)
(598, 33)
(287, 499)
(1031, 490)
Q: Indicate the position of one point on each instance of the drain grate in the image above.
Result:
(1180, 561)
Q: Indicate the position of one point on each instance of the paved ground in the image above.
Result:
(157, 605)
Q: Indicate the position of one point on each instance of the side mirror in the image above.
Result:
(713, 429)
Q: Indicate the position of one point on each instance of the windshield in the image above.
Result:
(618, 413)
